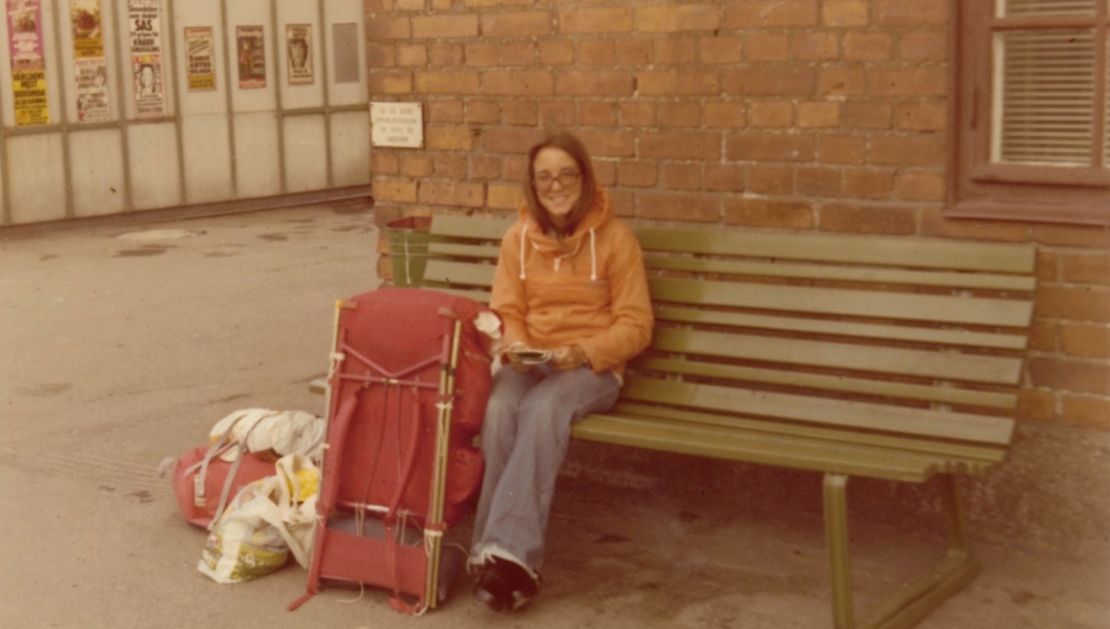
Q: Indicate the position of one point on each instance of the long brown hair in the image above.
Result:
(567, 142)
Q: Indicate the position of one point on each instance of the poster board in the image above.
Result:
(250, 46)
(25, 45)
(298, 42)
(200, 66)
(145, 21)
(90, 63)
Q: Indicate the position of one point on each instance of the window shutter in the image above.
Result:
(1046, 7)
(1045, 94)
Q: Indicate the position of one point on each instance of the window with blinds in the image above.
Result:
(1032, 111)
(1049, 99)
(1044, 97)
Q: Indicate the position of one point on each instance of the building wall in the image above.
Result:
(212, 141)
(821, 115)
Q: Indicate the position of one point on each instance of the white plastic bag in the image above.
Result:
(300, 487)
(269, 520)
(245, 543)
(284, 432)
(489, 324)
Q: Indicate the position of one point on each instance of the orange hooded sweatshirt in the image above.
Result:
(589, 289)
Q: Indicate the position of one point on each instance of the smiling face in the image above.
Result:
(558, 183)
(146, 76)
(298, 52)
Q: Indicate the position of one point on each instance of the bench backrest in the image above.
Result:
(887, 336)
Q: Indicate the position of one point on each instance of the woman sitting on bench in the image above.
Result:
(572, 295)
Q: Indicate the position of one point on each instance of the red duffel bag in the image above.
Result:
(204, 483)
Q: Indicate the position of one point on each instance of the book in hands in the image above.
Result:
(529, 356)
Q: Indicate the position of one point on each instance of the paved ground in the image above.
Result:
(118, 351)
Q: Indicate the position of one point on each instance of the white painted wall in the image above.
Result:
(350, 148)
(37, 186)
(97, 172)
(214, 145)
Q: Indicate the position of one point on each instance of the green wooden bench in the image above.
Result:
(881, 357)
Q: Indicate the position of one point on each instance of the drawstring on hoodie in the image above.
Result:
(522, 241)
(593, 255)
(559, 259)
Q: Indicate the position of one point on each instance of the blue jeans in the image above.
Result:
(524, 441)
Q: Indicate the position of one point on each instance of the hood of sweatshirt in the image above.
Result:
(532, 237)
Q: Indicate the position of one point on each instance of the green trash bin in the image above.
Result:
(408, 248)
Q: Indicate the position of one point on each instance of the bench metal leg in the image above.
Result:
(954, 509)
(836, 535)
(908, 606)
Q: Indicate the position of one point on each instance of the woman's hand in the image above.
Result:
(513, 359)
(568, 357)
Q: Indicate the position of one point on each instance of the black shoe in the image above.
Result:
(505, 586)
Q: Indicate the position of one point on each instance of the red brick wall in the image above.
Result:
(823, 115)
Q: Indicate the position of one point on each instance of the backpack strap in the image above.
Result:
(333, 459)
(230, 480)
(216, 449)
(391, 543)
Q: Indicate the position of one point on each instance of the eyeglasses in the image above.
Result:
(566, 179)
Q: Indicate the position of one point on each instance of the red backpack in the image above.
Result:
(407, 397)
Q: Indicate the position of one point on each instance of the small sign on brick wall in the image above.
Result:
(397, 125)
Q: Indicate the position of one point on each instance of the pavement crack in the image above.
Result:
(86, 466)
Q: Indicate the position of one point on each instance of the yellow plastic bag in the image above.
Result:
(300, 486)
(269, 520)
(244, 544)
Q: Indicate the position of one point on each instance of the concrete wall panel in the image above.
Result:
(350, 148)
(38, 186)
(256, 154)
(155, 181)
(97, 172)
(306, 153)
(207, 158)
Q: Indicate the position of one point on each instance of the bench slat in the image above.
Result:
(844, 302)
(463, 250)
(849, 249)
(991, 281)
(841, 273)
(444, 271)
(449, 272)
(826, 411)
(477, 227)
(884, 388)
(903, 361)
(965, 451)
(733, 444)
(787, 323)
